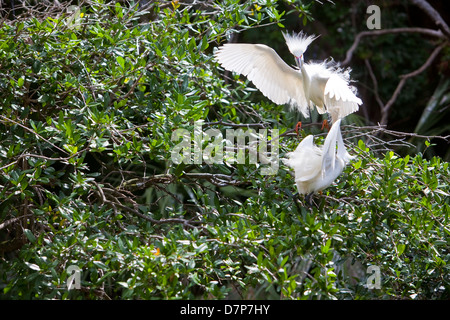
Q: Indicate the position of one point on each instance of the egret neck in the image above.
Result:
(305, 76)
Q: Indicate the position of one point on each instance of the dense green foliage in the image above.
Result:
(87, 113)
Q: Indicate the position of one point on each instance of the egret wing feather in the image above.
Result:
(316, 168)
(305, 160)
(342, 152)
(324, 85)
(330, 90)
(269, 73)
(339, 97)
(319, 76)
(329, 147)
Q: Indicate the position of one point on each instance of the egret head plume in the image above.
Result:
(298, 43)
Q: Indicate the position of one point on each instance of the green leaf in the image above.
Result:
(204, 43)
(121, 61)
(20, 26)
(30, 235)
(33, 266)
(401, 248)
(119, 10)
(326, 247)
(100, 265)
(36, 67)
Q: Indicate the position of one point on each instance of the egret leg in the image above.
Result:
(298, 127)
(297, 200)
(325, 125)
(308, 199)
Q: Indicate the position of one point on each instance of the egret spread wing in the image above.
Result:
(268, 72)
(339, 98)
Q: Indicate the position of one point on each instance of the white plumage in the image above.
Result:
(321, 84)
(315, 167)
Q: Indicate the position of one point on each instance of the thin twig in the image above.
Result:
(29, 155)
(217, 179)
(382, 128)
(150, 219)
(32, 131)
(237, 125)
(375, 83)
(433, 14)
(11, 221)
(390, 103)
(359, 36)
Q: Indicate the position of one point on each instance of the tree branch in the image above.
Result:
(359, 36)
(10, 221)
(217, 179)
(113, 202)
(385, 110)
(6, 120)
(238, 125)
(375, 83)
(349, 129)
(434, 15)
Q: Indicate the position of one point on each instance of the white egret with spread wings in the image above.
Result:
(323, 85)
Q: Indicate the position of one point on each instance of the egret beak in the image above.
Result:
(299, 61)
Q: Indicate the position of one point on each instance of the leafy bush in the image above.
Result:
(87, 116)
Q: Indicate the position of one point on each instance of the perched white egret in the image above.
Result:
(316, 168)
(324, 84)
